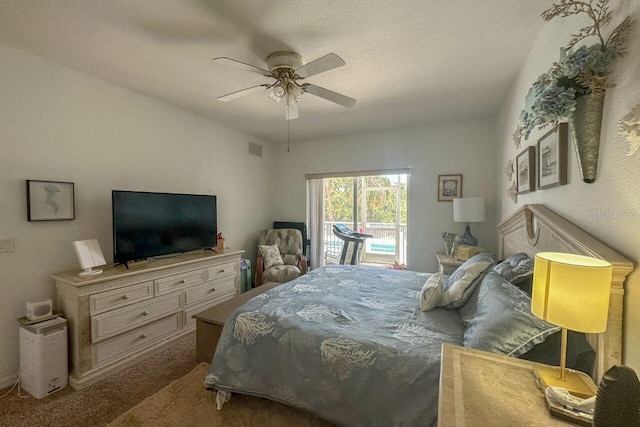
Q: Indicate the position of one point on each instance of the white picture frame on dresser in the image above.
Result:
(123, 315)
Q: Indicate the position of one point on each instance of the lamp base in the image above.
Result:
(577, 383)
(467, 238)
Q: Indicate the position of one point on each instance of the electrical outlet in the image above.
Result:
(7, 244)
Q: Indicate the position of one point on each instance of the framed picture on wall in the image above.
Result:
(552, 157)
(526, 170)
(50, 201)
(449, 187)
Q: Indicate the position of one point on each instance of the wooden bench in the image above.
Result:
(210, 321)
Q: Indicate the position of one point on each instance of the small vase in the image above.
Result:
(585, 124)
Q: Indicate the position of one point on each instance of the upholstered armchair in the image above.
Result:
(280, 256)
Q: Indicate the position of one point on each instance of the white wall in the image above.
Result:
(57, 124)
(466, 147)
(609, 209)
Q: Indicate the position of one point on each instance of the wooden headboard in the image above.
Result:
(536, 228)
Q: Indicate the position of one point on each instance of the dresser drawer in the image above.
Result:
(222, 270)
(111, 323)
(203, 305)
(140, 337)
(121, 297)
(208, 290)
(192, 278)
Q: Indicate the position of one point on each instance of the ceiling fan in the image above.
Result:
(287, 68)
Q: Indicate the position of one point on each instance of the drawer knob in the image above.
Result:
(125, 296)
(221, 271)
(146, 312)
(182, 282)
(143, 336)
(212, 290)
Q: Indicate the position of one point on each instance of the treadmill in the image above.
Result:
(348, 236)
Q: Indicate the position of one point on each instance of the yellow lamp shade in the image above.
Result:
(571, 291)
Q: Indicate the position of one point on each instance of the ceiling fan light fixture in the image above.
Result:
(294, 93)
(286, 68)
(274, 97)
(279, 90)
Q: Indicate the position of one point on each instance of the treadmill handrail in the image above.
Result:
(346, 235)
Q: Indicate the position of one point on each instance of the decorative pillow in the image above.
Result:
(462, 282)
(431, 292)
(516, 268)
(503, 322)
(270, 255)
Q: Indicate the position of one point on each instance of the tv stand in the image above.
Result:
(125, 314)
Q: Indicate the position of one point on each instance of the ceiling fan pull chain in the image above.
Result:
(288, 133)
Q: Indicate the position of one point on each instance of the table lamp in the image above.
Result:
(468, 209)
(570, 291)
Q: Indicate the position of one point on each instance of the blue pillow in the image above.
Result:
(516, 268)
(503, 322)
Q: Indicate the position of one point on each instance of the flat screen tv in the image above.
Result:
(152, 224)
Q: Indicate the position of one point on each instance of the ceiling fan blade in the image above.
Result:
(329, 95)
(291, 111)
(242, 65)
(320, 65)
(240, 93)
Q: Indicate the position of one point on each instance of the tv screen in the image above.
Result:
(152, 224)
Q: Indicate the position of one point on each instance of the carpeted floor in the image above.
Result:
(102, 402)
(185, 402)
(166, 389)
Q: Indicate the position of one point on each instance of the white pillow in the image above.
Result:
(270, 255)
(463, 281)
(431, 292)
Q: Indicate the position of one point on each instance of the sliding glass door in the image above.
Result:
(374, 204)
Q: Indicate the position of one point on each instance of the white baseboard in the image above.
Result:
(8, 381)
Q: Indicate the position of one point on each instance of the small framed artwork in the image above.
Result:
(50, 201)
(526, 170)
(552, 157)
(449, 187)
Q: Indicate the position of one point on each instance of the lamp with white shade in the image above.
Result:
(468, 209)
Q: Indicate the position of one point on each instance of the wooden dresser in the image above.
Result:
(121, 315)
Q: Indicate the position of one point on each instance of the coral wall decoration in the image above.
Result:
(629, 129)
(512, 192)
(508, 169)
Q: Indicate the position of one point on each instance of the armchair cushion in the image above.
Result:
(280, 273)
(270, 255)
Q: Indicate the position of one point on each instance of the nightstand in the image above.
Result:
(447, 264)
(481, 389)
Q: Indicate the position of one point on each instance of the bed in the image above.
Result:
(351, 345)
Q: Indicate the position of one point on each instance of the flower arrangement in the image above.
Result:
(397, 266)
(583, 71)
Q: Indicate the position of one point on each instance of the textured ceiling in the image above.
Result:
(408, 63)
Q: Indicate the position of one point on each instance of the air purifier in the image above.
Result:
(43, 357)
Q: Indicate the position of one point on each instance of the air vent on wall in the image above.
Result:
(255, 149)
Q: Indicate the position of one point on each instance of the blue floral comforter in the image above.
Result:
(349, 344)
